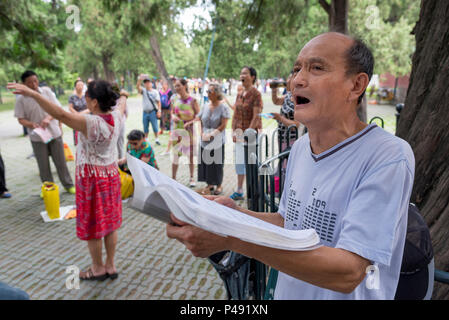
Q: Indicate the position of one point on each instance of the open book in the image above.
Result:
(157, 195)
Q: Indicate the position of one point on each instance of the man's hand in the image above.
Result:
(44, 124)
(158, 114)
(226, 201)
(200, 242)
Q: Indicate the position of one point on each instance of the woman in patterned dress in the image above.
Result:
(98, 197)
(184, 109)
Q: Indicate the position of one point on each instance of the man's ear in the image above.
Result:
(360, 83)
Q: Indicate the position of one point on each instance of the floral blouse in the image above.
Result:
(96, 154)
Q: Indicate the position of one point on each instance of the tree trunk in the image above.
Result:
(108, 73)
(95, 72)
(337, 11)
(159, 61)
(423, 123)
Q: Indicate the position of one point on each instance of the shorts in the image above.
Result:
(150, 117)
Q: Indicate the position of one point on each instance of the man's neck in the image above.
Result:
(322, 139)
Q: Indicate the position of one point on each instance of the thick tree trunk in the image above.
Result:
(159, 61)
(338, 14)
(423, 123)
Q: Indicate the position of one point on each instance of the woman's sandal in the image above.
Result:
(112, 275)
(218, 191)
(90, 276)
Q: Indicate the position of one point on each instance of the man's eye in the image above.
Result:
(317, 68)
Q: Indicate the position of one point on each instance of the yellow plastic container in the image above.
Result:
(50, 192)
(127, 187)
(68, 153)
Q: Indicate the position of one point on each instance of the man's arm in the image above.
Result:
(331, 268)
(26, 123)
(139, 88)
(75, 121)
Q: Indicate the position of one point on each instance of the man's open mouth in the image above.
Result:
(301, 100)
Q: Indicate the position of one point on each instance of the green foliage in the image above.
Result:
(114, 38)
(386, 28)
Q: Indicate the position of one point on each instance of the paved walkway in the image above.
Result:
(34, 255)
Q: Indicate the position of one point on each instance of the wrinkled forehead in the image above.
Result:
(328, 48)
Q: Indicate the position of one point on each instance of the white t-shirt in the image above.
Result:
(356, 196)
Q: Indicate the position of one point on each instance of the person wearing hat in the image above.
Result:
(151, 105)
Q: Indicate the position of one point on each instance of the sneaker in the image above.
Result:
(71, 190)
(5, 195)
(192, 183)
(236, 196)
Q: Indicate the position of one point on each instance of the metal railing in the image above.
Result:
(264, 183)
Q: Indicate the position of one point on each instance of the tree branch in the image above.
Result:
(326, 6)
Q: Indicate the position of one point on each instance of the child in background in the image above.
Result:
(140, 149)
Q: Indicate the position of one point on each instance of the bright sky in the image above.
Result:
(187, 18)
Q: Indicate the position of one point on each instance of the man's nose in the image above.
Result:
(300, 79)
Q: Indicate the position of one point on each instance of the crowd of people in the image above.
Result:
(97, 113)
(367, 214)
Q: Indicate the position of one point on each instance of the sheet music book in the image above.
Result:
(157, 195)
(44, 134)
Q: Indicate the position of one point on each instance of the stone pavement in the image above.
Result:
(34, 255)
